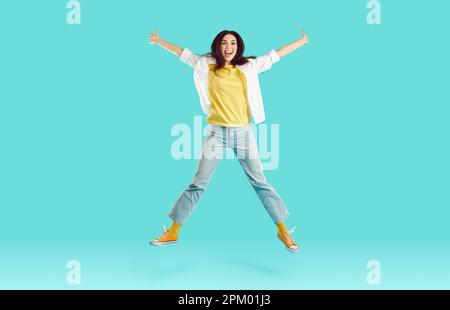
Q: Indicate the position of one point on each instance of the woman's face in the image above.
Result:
(228, 47)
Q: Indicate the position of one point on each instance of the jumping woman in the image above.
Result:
(228, 87)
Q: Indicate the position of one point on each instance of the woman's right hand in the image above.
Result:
(154, 37)
(175, 49)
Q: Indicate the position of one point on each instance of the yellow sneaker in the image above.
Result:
(166, 238)
(288, 241)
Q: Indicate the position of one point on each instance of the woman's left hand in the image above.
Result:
(304, 38)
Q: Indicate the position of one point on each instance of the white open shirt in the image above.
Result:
(251, 70)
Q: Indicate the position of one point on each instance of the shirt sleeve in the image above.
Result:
(189, 58)
(265, 62)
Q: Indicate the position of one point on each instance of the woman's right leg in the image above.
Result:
(212, 153)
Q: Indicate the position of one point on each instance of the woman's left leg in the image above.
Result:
(246, 151)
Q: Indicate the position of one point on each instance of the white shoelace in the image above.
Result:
(165, 232)
(288, 236)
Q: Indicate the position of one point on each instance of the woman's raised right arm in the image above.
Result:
(174, 49)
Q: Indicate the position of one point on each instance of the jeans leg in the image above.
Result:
(212, 152)
(246, 151)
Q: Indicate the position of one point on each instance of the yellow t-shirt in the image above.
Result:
(227, 91)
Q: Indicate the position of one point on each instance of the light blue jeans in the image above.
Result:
(242, 141)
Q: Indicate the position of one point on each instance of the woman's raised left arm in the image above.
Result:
(289, 48)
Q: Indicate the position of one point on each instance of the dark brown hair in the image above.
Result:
(238, 59)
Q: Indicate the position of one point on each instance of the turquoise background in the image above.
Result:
(86, 171)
